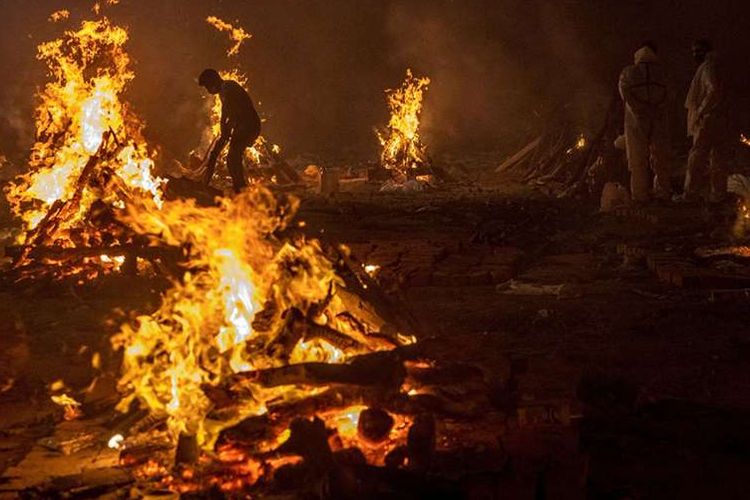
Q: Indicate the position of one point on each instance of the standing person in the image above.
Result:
(643, 89)
(240, 126)
(708, 125)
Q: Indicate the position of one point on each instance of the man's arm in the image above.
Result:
(624, 86)
(713, 93)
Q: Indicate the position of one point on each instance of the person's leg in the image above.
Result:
(235, 154)
(636, 145)
(696, 175)
(661, 162)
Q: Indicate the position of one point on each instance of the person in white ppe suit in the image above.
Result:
(643, 89)
(708, 125)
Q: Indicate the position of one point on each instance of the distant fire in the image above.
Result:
(403, 151)
(261, 152)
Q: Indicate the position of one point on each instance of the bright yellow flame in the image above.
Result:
(744, 140)
(230, 314)
(71, 406)
(402, 145)
(236, 34)
(83, 102)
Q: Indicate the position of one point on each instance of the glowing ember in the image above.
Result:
(403, 149)
(579, 145)
(71, 407)
(82, 120)
(744, 140)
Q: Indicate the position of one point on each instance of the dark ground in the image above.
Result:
(621, 385)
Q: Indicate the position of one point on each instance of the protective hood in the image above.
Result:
(645, 55)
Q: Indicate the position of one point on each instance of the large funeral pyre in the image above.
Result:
(264, 328)
(89, 160)
(403, 152)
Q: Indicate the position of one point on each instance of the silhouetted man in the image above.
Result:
(240, 125)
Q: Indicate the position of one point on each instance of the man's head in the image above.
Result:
(701, 48)
(211, 80)
(651, 45)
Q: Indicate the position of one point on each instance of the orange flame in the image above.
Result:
(403, 149)
(83, 102)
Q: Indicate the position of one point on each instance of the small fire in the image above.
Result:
(744, 140)
(403, 150)
(71, 407)
(59, 15)
(236, 34)
(579, 145)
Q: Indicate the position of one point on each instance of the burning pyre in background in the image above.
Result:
(90, 158)
(262, 153)
(403, 151)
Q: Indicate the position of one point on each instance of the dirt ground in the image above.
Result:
(617, 380)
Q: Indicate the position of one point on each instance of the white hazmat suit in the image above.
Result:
(708, 125)
(643, 88)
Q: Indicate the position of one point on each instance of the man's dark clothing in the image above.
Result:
(240, 125)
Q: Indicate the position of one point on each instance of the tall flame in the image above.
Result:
(230, 313)
(237, 34)
(90, 71)
(403, 149)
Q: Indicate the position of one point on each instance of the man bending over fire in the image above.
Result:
(240, 125)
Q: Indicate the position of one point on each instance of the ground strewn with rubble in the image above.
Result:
(616, 353)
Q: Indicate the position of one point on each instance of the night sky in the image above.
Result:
(319, 67)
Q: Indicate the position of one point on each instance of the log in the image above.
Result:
(376, 369)
(520, 156)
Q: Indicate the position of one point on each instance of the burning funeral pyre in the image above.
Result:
(88, 163)
(266, 327)
(404, 154)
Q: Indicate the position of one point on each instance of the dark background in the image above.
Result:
(499, 69)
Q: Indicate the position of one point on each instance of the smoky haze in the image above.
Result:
(499, 69)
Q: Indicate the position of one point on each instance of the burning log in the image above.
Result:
(378, 369)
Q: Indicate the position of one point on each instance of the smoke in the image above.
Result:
(499, 68)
